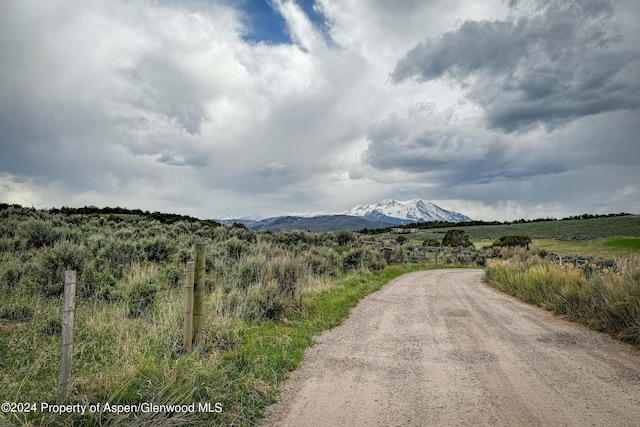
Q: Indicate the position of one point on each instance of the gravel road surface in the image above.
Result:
(441, 348)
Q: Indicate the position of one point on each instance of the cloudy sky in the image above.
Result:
(498, 109)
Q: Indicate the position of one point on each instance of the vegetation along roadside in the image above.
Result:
(266, 296)
(605, 296)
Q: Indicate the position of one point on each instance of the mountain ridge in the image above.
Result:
(386, 213)
(405, 212)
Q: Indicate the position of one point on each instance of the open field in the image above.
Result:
(577, 229)
(598, 237)
(597, 248)
(624, 243)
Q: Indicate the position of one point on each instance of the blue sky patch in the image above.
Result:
(266, 24)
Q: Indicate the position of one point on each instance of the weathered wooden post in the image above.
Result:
(188, 307)
(67, 336)
(198, 292)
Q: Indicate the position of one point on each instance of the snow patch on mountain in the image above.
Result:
(252, 217)
(403, 212)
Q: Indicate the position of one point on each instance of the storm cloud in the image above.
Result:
(498, 109)
(564, 61)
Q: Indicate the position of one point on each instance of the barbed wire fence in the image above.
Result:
(138, 302)
(85, 303)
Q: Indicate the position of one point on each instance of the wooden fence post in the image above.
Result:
(188, 308)
(67, 336)
(198, 291)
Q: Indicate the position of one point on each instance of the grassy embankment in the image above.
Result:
(606, 300)
(240, 363)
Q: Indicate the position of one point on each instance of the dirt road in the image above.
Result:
(441, 348)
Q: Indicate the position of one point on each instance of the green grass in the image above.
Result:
(578, 229)
(597, 248)
(630, 244)
(239, 363)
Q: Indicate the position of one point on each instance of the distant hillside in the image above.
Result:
(567, 229)
(316, 223)
(386, 213)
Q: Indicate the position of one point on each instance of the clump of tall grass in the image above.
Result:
(607, 300)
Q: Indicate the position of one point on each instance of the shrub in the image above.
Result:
(510, 241)
(11, 275)
(251, 272)
(265, 301)
(38, 234)
(394, 255)
(173, 275)
(285, 272)
(607, 300)
(158, 249)
(343, 238)
(141, 298)
(242, 232)
(233, 302)
(362, 258)
(431, 242)
(119, 255)
(47, 271)
(184, 255)
(323, 262)
(38, 278)
(97, 281)
(10, 244)
(67, 256)
(456, 237)
(235, 248)
(465, 256)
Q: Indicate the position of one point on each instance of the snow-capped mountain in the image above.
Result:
(381, 215)
(398, 212)
(252, 217)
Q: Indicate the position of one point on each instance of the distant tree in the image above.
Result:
(456, 237)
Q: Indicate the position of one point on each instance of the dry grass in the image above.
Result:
(606, 300)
